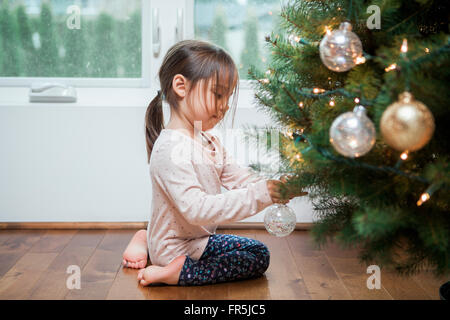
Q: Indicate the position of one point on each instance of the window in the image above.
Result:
(108, 43)
(84, 39)
(239, 26)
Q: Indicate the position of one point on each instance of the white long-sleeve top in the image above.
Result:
(187, 201)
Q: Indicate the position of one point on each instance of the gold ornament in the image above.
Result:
(407, 124)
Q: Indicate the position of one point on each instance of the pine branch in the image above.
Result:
(354, 163)
(295, 103)
(308, 92)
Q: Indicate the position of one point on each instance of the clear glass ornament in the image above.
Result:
(280, 220)
(353, 134)
(339, 49)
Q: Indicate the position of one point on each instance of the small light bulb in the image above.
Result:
(424, 197)
(297, 156)
(391, 67)
(327, 30)
(300, 104)
(356, 100)
(404, 155)
(427, 50)
(318, 90)
(332, 103)
(404, 47)
(360, 60)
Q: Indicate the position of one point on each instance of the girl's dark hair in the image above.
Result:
(196, 60)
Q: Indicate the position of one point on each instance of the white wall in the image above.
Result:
(72, 162)
(86, 161)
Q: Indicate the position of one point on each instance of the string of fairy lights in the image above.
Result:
(407, 125)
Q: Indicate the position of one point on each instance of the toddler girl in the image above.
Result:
(188, 166)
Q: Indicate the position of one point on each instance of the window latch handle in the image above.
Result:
(156, 32)
(179, 29)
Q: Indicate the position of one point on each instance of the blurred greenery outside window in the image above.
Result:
(240, 27)
(36, 39)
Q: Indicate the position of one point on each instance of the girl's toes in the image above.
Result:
(143, 282)
(142, 264)
(125, 263)
(141, 279)
(141, 274)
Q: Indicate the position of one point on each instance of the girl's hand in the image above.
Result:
(293, 193)
(274, 190)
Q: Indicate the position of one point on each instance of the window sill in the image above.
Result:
(102, 97)
(86, 97)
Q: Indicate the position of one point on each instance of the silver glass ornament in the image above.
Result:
(353, 134)
(339, 49)
(280, 220)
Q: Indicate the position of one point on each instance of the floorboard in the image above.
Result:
(15, 245)
(33, 265)
(352, 273)
(284, 279)
(52, 285)
(320, 277)
(100, 271)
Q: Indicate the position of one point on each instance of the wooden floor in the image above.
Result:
(33, 265)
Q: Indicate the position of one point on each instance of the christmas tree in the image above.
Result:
(73, 39)
(219, 27)
(12, 57)
(49, 58)
(250, 54)
(104, 41)
(361, 88)
(25, 34)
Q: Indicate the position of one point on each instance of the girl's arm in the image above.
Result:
(233, 175)
(179, 181)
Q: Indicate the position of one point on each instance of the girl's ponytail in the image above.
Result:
(153, 122)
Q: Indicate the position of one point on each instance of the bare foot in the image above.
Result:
(135, 255)
(168, 274)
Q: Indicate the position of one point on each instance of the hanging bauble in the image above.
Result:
(279, 220)
(340, 49)
(353, 134)
(407, 124)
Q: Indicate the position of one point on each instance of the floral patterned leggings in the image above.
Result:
(226, 258)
